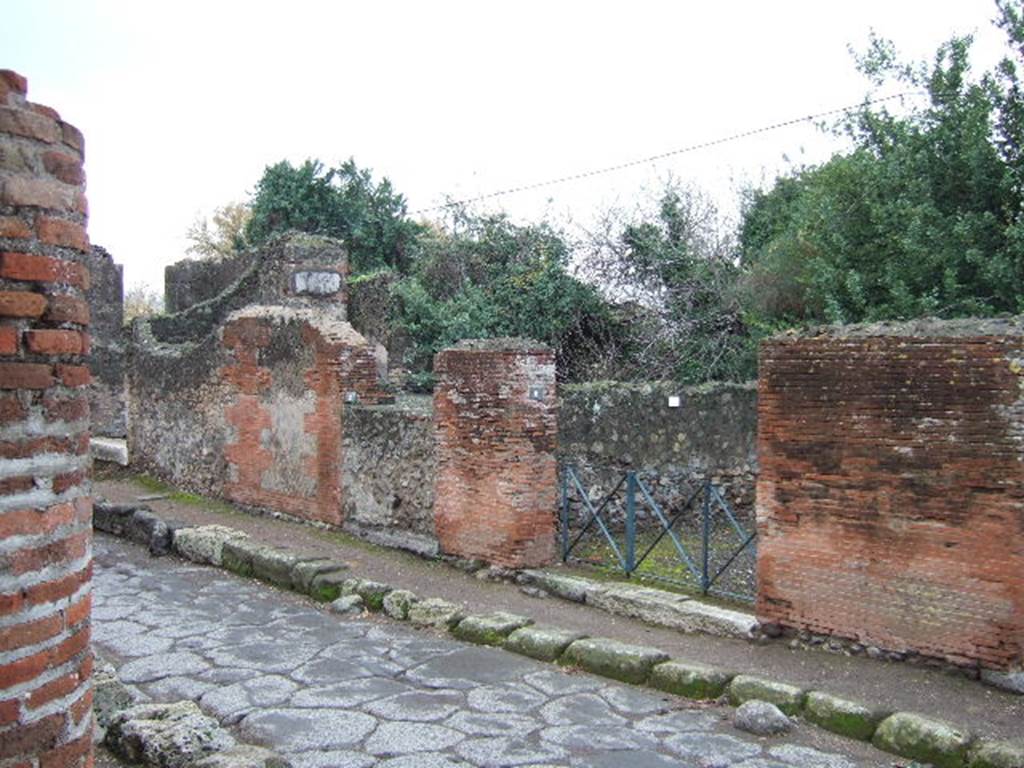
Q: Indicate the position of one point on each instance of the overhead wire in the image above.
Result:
(663, 155)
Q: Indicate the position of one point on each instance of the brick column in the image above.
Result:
(45, 503)
(495, 419)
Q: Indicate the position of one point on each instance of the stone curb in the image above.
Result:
(905, 734)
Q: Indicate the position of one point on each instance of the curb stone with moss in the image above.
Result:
(398, 602)
(542, 643)
(237, 555)
(436, 613)
(923, 739)
(847, 718)
(305, 571)
(997, 754)
(204, 543)
(326, 587)
(274, 566)
(491, 629)
(694, 681)
(788, 698)
(611, 658)
(372, 592)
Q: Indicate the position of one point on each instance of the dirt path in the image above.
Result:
(986, 711)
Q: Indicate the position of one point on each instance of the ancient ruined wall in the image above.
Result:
(891, 493)
(607, 428)
(495, 414)
(45, 504)
(107, 356)
(243, 396)
(194, 281)
(390, 464)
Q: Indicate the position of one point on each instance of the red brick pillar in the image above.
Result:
(45, 503)
(495, 416)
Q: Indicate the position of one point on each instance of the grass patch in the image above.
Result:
(155, 486)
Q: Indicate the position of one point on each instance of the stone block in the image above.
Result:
(112, 518)
(694, 681)
(491, 629)
(923, 739)
(543, 643)
(237, 555)
(204, 543)
(436, 613)
(347, 605)
(274, 565)
(565, 587)
(847, 718)
(398, 602)
(166, 735)
(761, 718)
(326, 586)
(614, 659)
(1012, 681)
(372, 592)
(996, 754)
(788, 698)
(110, 450)
(304, 571)
(145, 528)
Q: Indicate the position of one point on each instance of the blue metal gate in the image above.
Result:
(699, 544)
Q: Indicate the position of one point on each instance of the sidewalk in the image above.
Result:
(897, 686)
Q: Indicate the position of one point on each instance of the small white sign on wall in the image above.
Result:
(674, 401)
(316, 283)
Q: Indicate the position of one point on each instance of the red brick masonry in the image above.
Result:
(260, 456)
(891, 491)
(45, 504)
(497, 475)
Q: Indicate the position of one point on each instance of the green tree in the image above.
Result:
(922, 217)
(482, 276)
(343, 202)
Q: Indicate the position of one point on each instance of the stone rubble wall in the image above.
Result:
(891, 493)
(194, 281)
(389, 467)
(608, 428)
(45, 493)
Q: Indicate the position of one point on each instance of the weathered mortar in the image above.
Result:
(891, 493)
(390, 464)
(607, 428)
(45, 494)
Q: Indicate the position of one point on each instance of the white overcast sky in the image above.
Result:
(183, 104)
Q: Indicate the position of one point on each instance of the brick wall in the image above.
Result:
(45, 504)
(496, 490)
(289, 378)
(891, 493)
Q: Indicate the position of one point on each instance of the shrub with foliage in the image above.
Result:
(922, 217)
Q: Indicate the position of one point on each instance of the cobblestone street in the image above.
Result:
(351, 693)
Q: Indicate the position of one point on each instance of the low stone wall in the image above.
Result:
(389, 467)
(891, 494)
(607, 428)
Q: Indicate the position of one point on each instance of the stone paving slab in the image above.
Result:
(328, 691)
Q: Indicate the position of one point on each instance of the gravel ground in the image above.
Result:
(898, 686)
